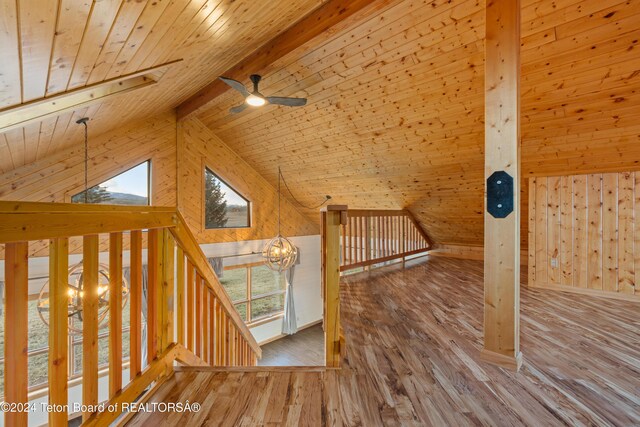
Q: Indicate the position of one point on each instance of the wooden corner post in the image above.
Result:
(502, 185)
(331, 217)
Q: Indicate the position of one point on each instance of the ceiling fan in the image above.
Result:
(256, 99)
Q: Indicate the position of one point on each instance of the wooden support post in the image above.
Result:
(115, 313)
(16, 321)
(135, 305)
(331, 221)
(502, 153)
(90, 299)
(58, 329)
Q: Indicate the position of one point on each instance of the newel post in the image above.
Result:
(331, 217)
(502, 174)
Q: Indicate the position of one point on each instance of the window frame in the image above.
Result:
(204, 201)
(80, 188)
(249, 299)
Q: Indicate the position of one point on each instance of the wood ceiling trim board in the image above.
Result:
(68, 101)
(121, 28)
(66, 43)
(572, 12)
(37, 29)
(103, 14)
(141, 30)
(321, 19)
(10, 73)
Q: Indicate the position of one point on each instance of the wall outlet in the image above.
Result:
(554, 262)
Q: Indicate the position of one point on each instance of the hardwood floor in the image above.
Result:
(305, 348)
(413, 340)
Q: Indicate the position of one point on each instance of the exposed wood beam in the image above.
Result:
(317, 22)
(39, 109)
(502, 153)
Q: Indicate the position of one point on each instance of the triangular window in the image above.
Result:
(128, 188)
(223, 206)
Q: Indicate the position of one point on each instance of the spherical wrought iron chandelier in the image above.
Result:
(75, 293)
(279, 253)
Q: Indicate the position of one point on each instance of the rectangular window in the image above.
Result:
(256, 291)
(223, 206)
(128, 188)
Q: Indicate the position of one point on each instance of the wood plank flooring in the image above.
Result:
(305, 348)
(413, 340)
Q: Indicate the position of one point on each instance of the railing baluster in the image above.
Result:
(212, 340)
(115, 313)
(167, 300)
(16, 321)
(90, 322)
(198, 317)
(135, 304)
(190, 305)
(219, 335)
(153, 276)
(58, 329)
(180, 297)
(205, 325)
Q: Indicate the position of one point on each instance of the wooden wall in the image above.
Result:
(197, 147)
(57, 177)
(584, 234)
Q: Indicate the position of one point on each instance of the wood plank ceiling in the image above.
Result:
(51, 46)
(395, 113)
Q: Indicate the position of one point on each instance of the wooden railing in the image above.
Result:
(190, 318)
(375, 236)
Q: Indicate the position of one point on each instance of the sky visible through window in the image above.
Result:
(231, 197)
(134, 181)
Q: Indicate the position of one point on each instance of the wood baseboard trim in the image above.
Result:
(508, 362)
(587, 291)
(301, 328)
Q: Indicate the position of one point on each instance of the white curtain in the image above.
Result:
(289, 326)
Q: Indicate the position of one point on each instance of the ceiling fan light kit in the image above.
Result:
(256, 99)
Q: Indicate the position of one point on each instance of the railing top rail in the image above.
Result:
(379, 212)
(46, 207)
(28, 221)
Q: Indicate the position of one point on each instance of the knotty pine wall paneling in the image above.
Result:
(57, 177)
(199, 147)
(584, 233)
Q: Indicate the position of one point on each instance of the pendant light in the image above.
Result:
(279, 253)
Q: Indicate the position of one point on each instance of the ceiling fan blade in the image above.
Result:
(238, 109)
(236, 85)
(289, 102)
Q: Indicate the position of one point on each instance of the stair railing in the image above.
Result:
(190, 318)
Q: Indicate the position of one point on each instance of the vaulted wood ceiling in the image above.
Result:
(395, 113)
(51, 46)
